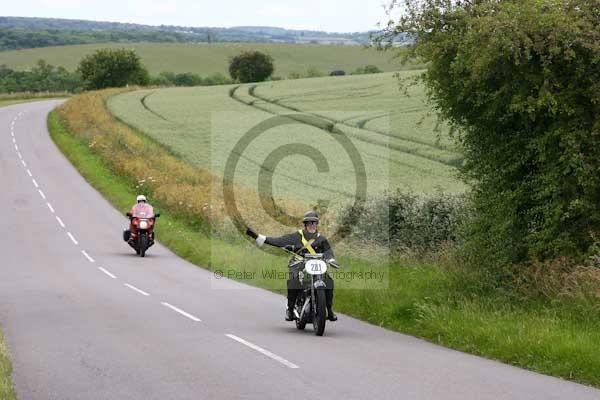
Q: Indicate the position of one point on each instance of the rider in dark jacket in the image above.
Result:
(302, 241)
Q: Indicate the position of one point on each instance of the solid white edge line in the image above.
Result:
(190, 316)
(90, 259)
(62, 224)
(29, 173)
(140, 291)
(263, 351)
(35, 183)
(70, 235)
(50, 207)
(107, 272)
(42, 194)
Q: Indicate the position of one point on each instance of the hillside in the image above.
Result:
(206, 59)
(23, 32)
(203, 124)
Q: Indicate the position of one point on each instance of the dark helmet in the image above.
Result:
(310, 216)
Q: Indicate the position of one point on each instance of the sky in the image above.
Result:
(325, 15)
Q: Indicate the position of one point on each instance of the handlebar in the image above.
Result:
(300, 258)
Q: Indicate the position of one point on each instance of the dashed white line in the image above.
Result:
(16, 147)
(69, 234)
(177, 310)
(20, 155)
(140, 291)
(107, 272)
(51, 208)
(29, 172)
(24, 163)
(62, 224)
(263, 351)
(14, 140)
(35, 183)
(42, 194)
(90, 259)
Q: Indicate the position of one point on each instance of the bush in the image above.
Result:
(112, 68)
(369, 69)
(409, 224)
(41, 78)
(251, 66)
(337, 72)
(519, 83)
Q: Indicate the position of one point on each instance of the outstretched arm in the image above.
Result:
(281, 241)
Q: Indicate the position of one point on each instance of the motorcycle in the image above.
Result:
(311, 304)
(141, 235)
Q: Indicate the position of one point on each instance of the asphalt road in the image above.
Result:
(85, 318)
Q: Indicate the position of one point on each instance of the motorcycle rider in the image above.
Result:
(307, 240)
(141, 203)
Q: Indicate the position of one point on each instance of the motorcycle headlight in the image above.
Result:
(143, 224)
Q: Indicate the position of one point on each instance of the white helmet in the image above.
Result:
(141, 197)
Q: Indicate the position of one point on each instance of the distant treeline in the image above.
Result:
(19, 38)
(22, 33)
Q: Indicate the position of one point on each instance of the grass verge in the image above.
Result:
(6, 387)
(557, 338)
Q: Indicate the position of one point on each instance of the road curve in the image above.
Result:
(85, 318)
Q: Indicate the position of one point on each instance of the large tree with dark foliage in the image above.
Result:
(112, 68)
(251, 66)
(520, 83)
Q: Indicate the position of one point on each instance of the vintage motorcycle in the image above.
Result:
(311, 304)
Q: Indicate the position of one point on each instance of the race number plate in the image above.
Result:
(315, 267)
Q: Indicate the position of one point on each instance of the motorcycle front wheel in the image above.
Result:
(143, 244)
(321, 313)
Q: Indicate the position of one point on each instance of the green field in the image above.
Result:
(205, 59)
(202, 125)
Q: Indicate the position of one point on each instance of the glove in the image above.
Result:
(250, 232)
(260, 240)
(331, 261)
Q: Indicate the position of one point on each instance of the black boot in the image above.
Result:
(289, 314)
(331, 315)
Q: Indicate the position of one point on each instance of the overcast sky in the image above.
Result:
(327, 15)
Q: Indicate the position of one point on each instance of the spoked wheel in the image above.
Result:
(321, 313)
(300, 322)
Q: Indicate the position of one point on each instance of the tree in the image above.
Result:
(112, 68)
(519, 82)
(251, 66)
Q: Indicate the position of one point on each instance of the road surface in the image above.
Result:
(85, 318)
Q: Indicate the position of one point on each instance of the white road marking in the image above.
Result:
(69, 233)
(107, 272)
(16, 147)
(263, 351)
(42, 194)
(14, 140)
(50, 207)
(62, 224)
(24, 163)
(140, 291)
(29, 173)
(20, 155)
(190, 316)
(90, 259)
(35, 183)
(12, 133)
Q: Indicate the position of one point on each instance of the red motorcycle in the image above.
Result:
(140, 234)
